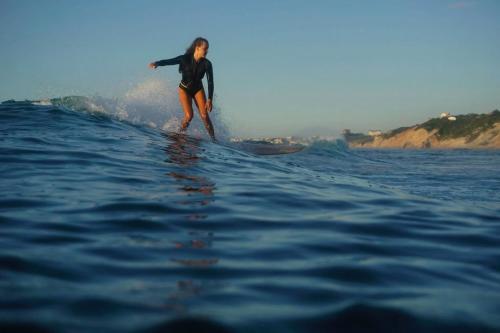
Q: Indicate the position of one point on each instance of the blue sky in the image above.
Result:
(280, 67)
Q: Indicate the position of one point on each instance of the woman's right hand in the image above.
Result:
(152, 65)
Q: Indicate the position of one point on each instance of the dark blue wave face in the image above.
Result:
(111, 226)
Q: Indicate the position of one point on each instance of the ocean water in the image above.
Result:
(112, 222)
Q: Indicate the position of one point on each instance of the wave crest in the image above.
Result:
(153, 102)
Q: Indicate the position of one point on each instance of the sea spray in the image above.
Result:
(153, 102)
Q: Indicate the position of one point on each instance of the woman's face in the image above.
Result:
(202, 50)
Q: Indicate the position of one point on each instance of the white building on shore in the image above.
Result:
(374, 132)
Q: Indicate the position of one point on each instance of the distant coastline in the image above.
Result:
(461, 131)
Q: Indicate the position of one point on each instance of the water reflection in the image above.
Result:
(193, 185)
(198, 191)
(182, 150)
(183, 153)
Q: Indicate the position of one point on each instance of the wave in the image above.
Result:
(153, 103)
(151, 224)
(333, 148)
(157, 112)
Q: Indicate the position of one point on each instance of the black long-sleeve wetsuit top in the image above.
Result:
(192, 71)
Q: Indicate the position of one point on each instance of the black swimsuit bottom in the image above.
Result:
(191, 88)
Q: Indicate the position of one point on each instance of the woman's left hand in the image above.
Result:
(208, 105)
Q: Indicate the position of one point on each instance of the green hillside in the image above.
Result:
(468, 126)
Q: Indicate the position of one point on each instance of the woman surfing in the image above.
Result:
(193, 65)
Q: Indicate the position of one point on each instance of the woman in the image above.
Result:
(193, 65)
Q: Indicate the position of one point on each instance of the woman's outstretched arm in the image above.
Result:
(166, 62)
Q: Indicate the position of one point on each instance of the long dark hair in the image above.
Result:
(190, 50)
(196, 42)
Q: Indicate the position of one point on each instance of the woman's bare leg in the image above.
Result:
(187, 106)
(200, 100)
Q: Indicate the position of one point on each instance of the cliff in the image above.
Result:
(467, 131)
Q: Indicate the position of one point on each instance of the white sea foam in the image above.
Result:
(155, 103)
(44, 102)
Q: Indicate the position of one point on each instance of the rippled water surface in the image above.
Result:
(111, 226)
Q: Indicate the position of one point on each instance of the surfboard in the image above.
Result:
(258, 148)
(253, 147)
